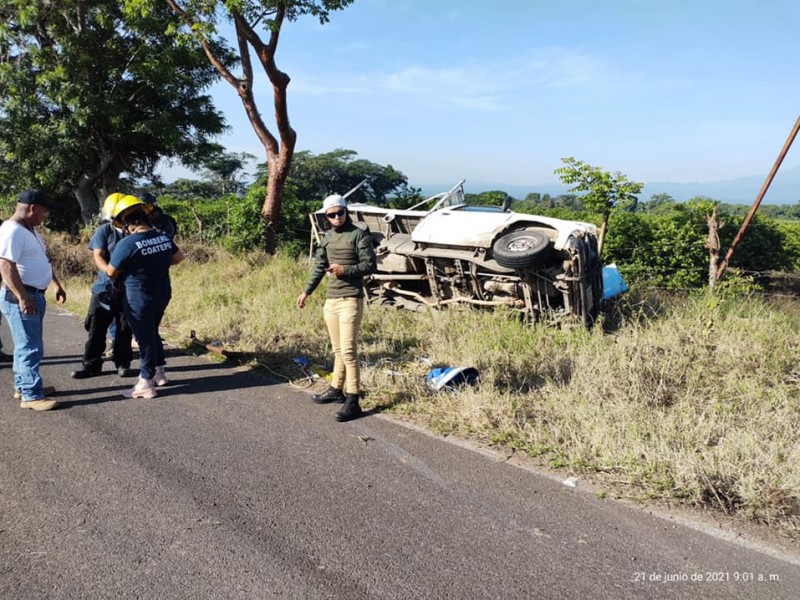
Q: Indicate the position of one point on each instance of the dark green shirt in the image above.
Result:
(351, 247)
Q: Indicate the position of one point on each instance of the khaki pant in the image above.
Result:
(343, 318)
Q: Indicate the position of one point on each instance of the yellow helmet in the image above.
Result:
(125, 205)
(107, 212)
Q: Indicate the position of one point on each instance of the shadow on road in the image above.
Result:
(186, 379)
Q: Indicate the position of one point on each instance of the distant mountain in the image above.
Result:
(784, 189)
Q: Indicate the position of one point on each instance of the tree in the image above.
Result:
(490, 198)
(568, 202)
(658, 203)
(533, 197)
(222, 169)
(88, 94)
(314, 176)
(604, 190)
(190, 189)
(201, 21)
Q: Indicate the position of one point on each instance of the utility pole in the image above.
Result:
(724, 264)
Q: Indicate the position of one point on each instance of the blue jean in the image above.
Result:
(27, 332)
(144, 321)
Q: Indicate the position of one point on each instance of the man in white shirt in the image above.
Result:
(26, 273)
(4, 358)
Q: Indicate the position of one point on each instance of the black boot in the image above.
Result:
(88, 371)
(351, 409)
(332, 394)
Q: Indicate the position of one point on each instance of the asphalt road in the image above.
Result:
(231, 486)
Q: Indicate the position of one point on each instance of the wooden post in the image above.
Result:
(712, 243)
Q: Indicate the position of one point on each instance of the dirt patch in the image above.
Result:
(69, 255)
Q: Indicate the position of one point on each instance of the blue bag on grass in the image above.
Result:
(451, 378)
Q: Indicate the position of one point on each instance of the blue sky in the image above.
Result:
(677, 91)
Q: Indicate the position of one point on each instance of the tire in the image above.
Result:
(520, 248)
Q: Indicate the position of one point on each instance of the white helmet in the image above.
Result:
(333, 200)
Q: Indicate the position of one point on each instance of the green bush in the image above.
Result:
(245, 225)
(235, 222)
(668, 249)
(665, 250)
(790, 230)
(763, 246)
(198, 218)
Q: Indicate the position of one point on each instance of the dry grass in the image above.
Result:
(695, 400)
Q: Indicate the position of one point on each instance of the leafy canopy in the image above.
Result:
(314, 176)
(223, 168)
(256, 27)
(88, 93)
(604, 190)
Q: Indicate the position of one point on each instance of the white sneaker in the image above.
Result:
(161, 377)
(144, 388)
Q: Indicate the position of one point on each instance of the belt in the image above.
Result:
(34, 290)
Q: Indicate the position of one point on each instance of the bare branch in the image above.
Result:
(279, 79)
(246, 91)
(212, 57)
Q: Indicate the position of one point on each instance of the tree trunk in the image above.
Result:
(87, 198)
(86, 192)
(278, 165)
(601, 236)
(110, 183)
(279, 153)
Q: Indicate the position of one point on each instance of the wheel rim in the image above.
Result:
(522, 244)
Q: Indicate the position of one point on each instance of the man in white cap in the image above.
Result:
(26, 274)
(347, 255)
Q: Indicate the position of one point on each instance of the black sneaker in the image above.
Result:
(87, 372)
(5, 357)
